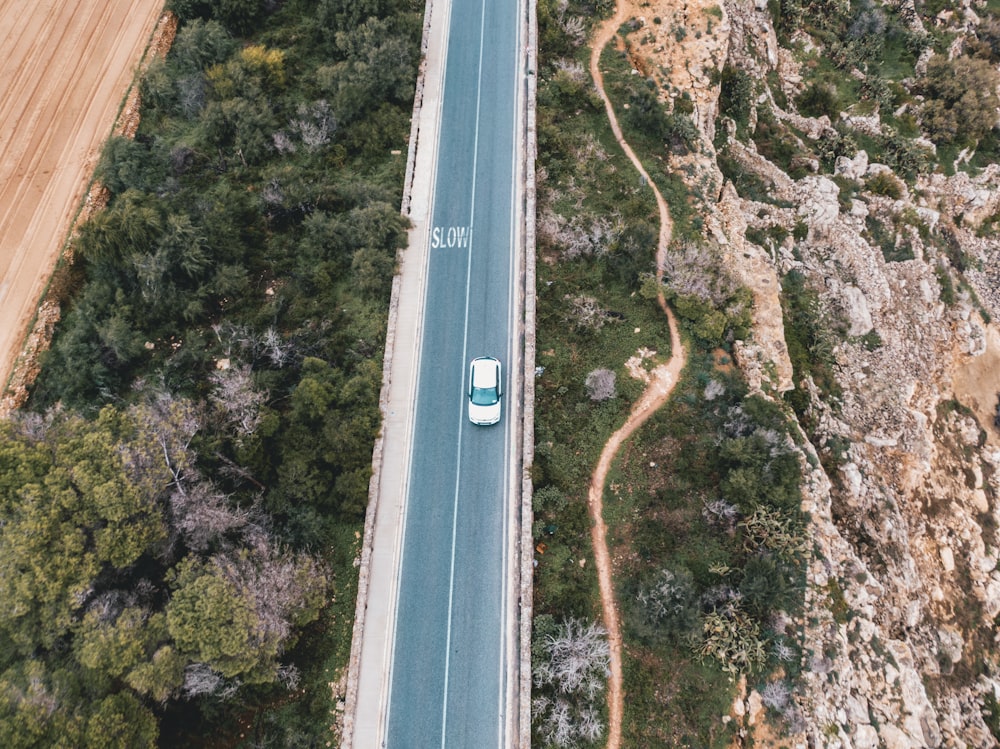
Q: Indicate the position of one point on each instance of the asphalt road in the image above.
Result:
(449, 683)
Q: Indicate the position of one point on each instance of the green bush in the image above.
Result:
(884, 183)
(962, 99)
(819, 99)
(808, 346)
(736, 96)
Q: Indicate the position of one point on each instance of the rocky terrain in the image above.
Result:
(902, 455)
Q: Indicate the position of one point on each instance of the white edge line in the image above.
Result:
(509, 627)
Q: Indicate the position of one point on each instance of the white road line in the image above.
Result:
(512, 481)
(383, 729)
(465, 344)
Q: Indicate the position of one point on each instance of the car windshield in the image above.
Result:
(484, 396)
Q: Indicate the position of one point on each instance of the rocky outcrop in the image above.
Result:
(687, 52)
(903, 589)
(902, 456)
(682, 46)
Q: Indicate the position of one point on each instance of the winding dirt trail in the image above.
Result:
(661, 384)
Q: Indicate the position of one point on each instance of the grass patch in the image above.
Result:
(686, 697)
(685, 459)
(649, 130)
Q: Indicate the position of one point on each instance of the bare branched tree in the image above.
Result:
(714, 389)
(254, 346)
(203, 514)
(199, 679)
(191, 95)
(571, 680)
(272, 194)
(555, 722)
(165, 425)
(579, 657)
(572, 26)
(582, 235)
(288, 674)
(30, 425)
(589, 724)
(600, 384)
(696, 269)
(783, 651)
(235, 396)
(278, 350)
(573, 70)
(720, 514)
(282, 585)
(776, 695)
(107, 605)
(586, 312)
(315, 124)
(283, 143)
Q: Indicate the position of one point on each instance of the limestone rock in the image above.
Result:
(907, 529)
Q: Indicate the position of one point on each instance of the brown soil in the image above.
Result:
(64, 71)
(661, 383)
(977, 383)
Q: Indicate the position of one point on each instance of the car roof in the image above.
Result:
(484, 371)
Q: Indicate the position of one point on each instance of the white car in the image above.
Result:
(484, 390)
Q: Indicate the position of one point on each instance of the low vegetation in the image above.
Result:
(703, 506)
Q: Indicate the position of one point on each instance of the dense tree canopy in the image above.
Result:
(108, 596)
(173, 508)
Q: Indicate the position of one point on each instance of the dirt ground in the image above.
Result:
(64, 72)
(977, 383)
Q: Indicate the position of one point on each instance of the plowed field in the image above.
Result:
(64, 70)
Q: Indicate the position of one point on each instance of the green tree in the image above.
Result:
(818, 99)
(234, 613)
(332, 15)
(736, 95)
(77, 364)
(131, 224)
(373, 268)
(239, 15)
(242, 126)
(160, 676)
(128, 164)
(379, 65)
(37, 710)
(120, 721)
(213, 622)
(962, 99)
(60, 528)
(112, 648)
(201, 44)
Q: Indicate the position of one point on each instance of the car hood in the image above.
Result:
(484, 414)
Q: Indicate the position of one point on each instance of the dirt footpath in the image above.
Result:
(64, 71)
